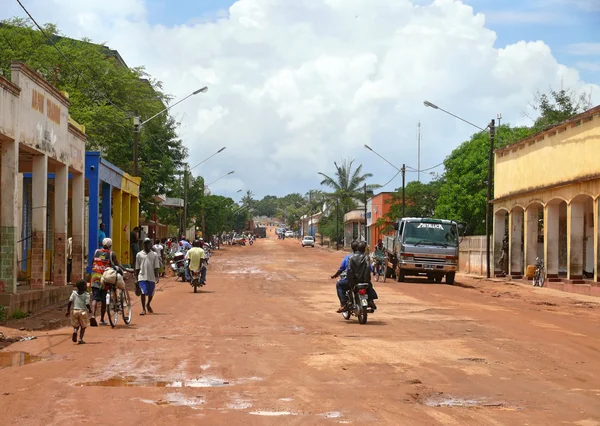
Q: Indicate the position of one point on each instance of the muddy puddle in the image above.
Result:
(150, 382)
(451, 402)
(177, 400)
(17, 359)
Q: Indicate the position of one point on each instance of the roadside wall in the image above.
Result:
(472, 258)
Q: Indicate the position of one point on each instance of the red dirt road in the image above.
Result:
(262, 345)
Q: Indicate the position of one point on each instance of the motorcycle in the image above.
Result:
(178, 265)
(251, 241)
(358, 303)
(195, 281)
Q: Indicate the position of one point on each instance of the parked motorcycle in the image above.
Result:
(358, 303)
(178, 265)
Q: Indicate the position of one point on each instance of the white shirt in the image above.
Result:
(158, 248)
(80, 301)
(146, 263)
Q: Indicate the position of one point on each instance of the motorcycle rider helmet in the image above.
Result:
(107, 243)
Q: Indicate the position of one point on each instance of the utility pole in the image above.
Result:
(488, 211)
(203, 220)
(419, 152)
(337, 227)
(365, 212)
(185, 189)
(403, 191)
(136, 141)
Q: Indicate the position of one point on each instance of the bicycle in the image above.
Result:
(117, 303)
(380, 269)
(539, 276)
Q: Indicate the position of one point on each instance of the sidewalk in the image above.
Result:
(546, 290)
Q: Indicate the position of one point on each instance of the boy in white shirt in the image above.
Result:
(80, 301)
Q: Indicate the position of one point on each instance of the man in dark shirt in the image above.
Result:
(359, 271)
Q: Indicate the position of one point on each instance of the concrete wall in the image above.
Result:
(472, 259)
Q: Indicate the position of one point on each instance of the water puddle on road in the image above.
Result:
(132, 382)
(459, 402)
(17, 359)
(272, 413)
(177, 400)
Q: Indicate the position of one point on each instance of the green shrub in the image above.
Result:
(19, 314)
(2, 313)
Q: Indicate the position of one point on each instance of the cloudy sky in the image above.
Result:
(296, 85)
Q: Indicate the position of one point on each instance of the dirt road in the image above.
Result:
(262, 345)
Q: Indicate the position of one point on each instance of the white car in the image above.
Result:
(308, 241)
(289, 234)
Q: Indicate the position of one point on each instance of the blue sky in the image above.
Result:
(559, 23)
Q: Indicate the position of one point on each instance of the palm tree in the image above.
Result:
(248, 200)
(347, 185)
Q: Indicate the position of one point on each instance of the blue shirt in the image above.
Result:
(345, 262)
(185, 245)
(101, 237)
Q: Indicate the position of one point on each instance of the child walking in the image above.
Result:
(80, 301)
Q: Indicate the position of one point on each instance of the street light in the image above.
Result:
(208, 158)
(488, 212)
(137, 124)
(185, 181)
(224, 176)
(402, 170)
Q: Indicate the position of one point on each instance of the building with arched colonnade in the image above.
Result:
(546, 195)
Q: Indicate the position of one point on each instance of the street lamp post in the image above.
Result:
(203, 188)
(137, 125)
(488, 210)
(186, 182)
(402, 170)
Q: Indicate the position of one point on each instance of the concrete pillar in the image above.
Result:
(498, 232)
(39, 212)
(77, 224)
(134, 213)
(126, 229)
(94, 216)
(61, 204)
(515, 254)
(531, 234)
(596, 239)
(551, 241)
(575, 214)
(107, 208)
(117, 224)
(9, 175)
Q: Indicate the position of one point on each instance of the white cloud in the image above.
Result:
(294, 86)
(584, 49)
(589, 66)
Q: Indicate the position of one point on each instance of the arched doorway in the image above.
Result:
(555, 238)
(516, 239)
(500, 264)
(534, 233)
(580, 228)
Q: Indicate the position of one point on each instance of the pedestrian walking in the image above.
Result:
(147, 266)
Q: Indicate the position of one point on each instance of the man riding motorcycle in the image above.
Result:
(359, 271)
(342, 285)
(196, 257)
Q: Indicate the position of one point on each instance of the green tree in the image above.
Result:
(557, 106)
(103, 98)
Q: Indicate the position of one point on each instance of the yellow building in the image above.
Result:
(546, 192)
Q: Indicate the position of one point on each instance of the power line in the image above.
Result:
(66, 59)
(425, 170)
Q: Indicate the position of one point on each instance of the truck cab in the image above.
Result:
(423, 246)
